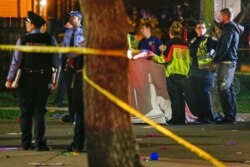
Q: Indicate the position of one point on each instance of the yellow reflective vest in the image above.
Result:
(203, 56)
(177, 61)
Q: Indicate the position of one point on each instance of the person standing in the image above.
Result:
(177, 62)
(202, 49)
(36, 81)
(73, 73)
(150, 42)
(62, 89)
(224, 63)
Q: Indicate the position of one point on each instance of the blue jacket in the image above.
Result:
(152, 44)
(228, 43)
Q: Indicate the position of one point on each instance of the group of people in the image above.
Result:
(190, 68)
(191, 64)
(40, 75)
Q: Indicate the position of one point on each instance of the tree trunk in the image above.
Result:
(110, 138)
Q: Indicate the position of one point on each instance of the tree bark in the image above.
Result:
(110, 137)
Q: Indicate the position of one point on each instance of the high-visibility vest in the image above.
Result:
(177, 61)
(204, 57)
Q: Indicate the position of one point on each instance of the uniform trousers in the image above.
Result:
(68, 75)
(34, 90)
(176, 89)
(198, 97)
(78, 110)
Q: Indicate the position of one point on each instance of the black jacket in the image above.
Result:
(228, 43)
(194, 45)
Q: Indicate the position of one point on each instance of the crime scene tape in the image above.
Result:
(158, 127)
(242, 73)
(79, 50)
(54, 49)
(244, 49)
(114, 99)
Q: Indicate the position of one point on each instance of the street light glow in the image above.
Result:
(43, 2)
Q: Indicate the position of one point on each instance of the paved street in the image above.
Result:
(228, 143)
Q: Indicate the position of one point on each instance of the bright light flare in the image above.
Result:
(43, 2)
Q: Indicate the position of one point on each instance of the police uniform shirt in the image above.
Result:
(78, 37)
(78, 42)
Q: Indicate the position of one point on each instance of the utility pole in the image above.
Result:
(207, 13)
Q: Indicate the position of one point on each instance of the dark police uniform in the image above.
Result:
(201, 79)
(77, 105)
(73, 74)
(35, 83)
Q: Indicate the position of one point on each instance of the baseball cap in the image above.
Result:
(75, 13)
(37, 20)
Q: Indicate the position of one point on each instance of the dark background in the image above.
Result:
(159, 12)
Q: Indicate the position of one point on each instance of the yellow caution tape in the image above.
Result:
(160, 128)
(79, 50)
(242, 73)
(244, 49)
(114, 99)
(76, 50)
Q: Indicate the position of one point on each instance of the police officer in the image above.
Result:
(35, 82)
(62, 89)
(202, 49)
(73, 72)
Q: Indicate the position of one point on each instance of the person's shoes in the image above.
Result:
(176, 122)
(29, 147)
(43, 148)
(42, 145)
(217, 116)
(70, 148)
(67, 118)
(195, 122)
(208, 121)
(226, 120)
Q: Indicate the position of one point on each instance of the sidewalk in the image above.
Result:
(11, 154)
(229, 143)
(19, 158)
